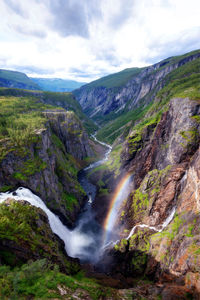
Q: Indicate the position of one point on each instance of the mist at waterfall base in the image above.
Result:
(87, 240)
(82, 241)
(121, 193)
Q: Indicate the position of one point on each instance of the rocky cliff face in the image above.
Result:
(70, 131)
(101, 100)
(164, 157)
(48, 164)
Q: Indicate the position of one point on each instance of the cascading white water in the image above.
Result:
(82, 242)
(165, 224)
(72, 239)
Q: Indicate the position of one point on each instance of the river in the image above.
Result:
(85, 240)
(86, 224)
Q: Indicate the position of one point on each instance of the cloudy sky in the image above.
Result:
(87, 39)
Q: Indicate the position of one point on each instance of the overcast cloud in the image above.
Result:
(84, 40)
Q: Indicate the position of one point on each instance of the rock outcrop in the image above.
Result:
(164, 158)
(50, 163)
(26, 235)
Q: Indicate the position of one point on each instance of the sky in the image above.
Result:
(86, 39)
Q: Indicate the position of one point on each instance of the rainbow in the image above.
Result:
(120, 194)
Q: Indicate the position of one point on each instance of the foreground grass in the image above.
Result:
(41, 280)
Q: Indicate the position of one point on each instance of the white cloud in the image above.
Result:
(105, 36)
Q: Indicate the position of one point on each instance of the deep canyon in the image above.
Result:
(100, 189)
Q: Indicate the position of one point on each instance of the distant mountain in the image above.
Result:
(57, 85)
(14, 79)
(117, 99)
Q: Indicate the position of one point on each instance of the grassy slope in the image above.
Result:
(68, 101)
(19, 119)
(65, 100)
(18, 78)
(182, 82)
(114, 80)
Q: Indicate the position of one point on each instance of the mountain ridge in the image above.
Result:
(57, 84)
(15, 79)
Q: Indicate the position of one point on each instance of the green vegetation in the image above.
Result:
(31, 166)
(6, 188)
(16, 79)
(68, 101)
(172, 231)
(52, 100)
(190, 136)
(112, 130)
(113, 80)
(42, 280)
(113, 163)
(18, 223)
(143, 197)
(140, 240)
(135, 139)
(19, 122)
(25, 228)
(70, 201)
(16, 228)
(140, 201)
(182, 82)
(139, 261)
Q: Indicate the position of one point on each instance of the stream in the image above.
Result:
(86, 223)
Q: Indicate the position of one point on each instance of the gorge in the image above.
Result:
(118, 182)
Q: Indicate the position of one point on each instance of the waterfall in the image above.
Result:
(165, 224)
(73, 239)
(85, 240)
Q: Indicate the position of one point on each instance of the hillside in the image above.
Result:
(13, 79)
(159, 152)
(65, 100)
(114, 107)
(132, 218)
(57, 84)
(44, 147)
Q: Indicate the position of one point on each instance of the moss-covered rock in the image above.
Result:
(43, 148)
(25, 235)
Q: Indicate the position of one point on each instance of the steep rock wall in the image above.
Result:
(165, 164)
(49, 165)
(102, 101)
